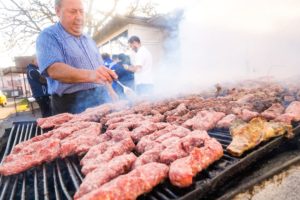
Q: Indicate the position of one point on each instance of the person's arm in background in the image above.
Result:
(67, 74)
(138, 65)
(34, 74)
(132, 68)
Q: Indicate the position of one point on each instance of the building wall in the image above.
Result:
(152, 38)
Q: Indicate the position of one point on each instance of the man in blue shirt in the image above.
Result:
(124, 76)
(71, 62)
(38, 85)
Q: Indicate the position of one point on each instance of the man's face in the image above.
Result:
(71, 16)
(134, 46)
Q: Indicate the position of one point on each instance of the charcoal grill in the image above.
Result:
(61, 178)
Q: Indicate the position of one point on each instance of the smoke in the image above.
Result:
(224, 41)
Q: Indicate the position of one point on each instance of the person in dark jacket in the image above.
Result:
(38, 85)
(126, 77)
(106, 59)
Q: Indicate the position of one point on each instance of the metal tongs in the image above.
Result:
(127, 90)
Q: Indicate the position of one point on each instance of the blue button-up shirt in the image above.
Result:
(54, 44)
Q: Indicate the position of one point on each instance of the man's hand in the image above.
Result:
(103, 75)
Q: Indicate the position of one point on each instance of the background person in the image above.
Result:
(124, 76)
(142, 66)
(71, 62)
(38, 85)
(106, 59)
(114, 59)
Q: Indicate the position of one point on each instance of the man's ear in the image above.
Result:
(57, 11)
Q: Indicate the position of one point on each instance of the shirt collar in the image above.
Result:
(66, 34)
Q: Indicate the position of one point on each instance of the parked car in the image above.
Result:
(3, 99)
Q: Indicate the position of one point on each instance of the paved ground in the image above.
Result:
(7, 110)
(8, 115)
(283, 186)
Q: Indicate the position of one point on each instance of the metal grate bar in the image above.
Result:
(21, 135)
(23, 193)
(153, 198)
(229, 158)
(61, 181)
(169, 192)
(220, 135)
(77, 171)
(160, 195)
(57, 196)
(5, 188)
(222, 141)
(7, 145)
(45, 184)
(16, 137)
(72, 173)
(27, 135)
(7, 149)
(13, 189)
(36, 193)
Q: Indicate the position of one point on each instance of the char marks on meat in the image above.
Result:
(114, 150)
(273, 112)
(204, 120)
(131, 185)
(291, 113)
(104, 173)
(184, 169)
(49, 146)
(80, 141)
(30, 156)
(146, 128)
(151, 155)
(183, 147)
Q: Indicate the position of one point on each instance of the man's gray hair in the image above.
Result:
(57, 3)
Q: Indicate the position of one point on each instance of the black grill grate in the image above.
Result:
(56, 180)
(61, 178)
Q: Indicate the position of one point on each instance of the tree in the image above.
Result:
(22, 20)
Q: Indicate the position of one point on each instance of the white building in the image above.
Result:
(153, 32)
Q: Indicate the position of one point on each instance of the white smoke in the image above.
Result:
(220, 41)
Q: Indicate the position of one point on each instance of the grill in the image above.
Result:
(61, 178)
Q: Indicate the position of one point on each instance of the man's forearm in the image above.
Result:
(67, 74)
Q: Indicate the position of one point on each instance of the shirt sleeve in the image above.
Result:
(48, 51)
